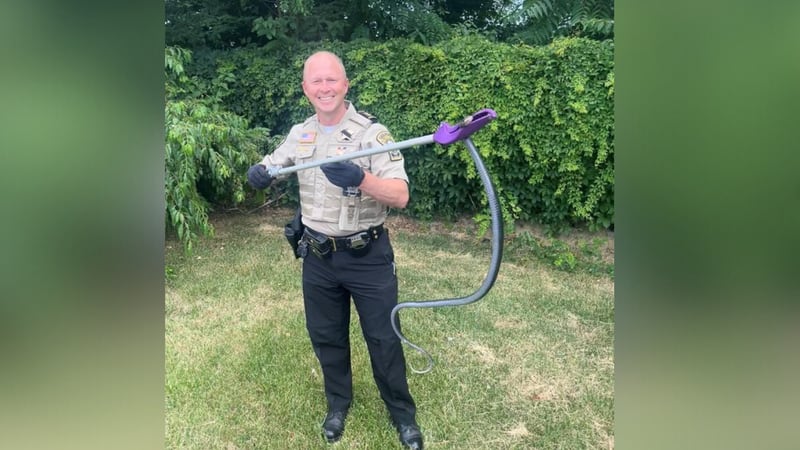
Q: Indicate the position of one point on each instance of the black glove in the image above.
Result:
(344, 174)
(258, 177)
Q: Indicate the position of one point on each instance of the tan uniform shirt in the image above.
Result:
(324, 206)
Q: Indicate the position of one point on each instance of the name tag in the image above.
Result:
(342, 149)
(305, 151)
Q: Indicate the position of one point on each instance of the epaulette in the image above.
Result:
(369, 116)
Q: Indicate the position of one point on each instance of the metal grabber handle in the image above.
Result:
(446, 134)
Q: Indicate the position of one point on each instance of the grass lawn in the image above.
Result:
(529, 366)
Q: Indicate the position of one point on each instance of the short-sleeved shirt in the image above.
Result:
(321, 201)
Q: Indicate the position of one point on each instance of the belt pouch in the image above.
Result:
(319, 243)
(294, 232)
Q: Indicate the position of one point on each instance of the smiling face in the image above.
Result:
(325, 84)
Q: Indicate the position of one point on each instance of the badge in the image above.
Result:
(395, 155)
(307, 137)
(384, 137)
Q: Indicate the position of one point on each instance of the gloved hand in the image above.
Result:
(258, 177)
(343, 174)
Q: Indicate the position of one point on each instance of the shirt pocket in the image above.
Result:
(305, 151)
(338, 149)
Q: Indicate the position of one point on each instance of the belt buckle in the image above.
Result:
(359, 241)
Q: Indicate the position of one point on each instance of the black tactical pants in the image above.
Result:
(328, 285)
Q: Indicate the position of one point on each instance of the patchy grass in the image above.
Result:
(529, 366)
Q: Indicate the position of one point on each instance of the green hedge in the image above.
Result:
(550, 151)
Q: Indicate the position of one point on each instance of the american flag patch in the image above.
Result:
(307, 137)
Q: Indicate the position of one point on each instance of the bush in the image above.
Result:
(550, 152)
(207, 153)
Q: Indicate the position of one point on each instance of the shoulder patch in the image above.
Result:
(384, 137)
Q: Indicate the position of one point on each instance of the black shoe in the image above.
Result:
(333, 426)
(410, 436)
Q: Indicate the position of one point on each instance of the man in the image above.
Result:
(345, 248)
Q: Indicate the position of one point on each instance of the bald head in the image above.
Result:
(325, 84)
(325, 59)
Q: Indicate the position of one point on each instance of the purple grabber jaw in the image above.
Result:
(447, 134)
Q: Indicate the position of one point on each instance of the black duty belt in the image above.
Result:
(322, 244)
